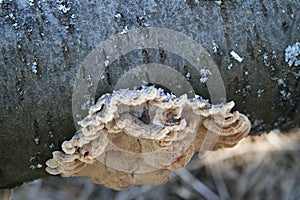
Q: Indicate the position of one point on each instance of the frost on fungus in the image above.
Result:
(133, 137)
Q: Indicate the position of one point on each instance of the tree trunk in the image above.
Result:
(43, 44)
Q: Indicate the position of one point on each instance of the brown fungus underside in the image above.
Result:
(133, 137)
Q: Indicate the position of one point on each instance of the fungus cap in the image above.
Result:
(135, 137)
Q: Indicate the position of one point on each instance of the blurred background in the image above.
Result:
(259, 167)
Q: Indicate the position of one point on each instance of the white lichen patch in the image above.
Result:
(51, 146)
(230, 66)
(259, 92)
(248, 88)
(143, 20)
(89, 80)
(63, 8)
(285, 95)
(11, 16)
(266, 59)
(36, 166)
(102, 77)
(33, 167)
(204, 73)
(274, 56)
(32, 158)
(118, 15)
(188, 76)
(36, 140)
(218, 2)
(87, 102)
(50, 134)
(292, 54)
(31, 2)
(125, 30)
(215, 47)
(281, 82)
(133, 137)
(34, 67)
(106, 63)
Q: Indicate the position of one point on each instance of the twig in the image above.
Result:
(219, 181)
(197, 185)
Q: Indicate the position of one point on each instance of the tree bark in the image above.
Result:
(43, 44)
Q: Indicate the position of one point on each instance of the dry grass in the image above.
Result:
(261, 167)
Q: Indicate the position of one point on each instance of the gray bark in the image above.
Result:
(43, 43)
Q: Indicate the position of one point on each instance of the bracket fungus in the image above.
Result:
(133, 137)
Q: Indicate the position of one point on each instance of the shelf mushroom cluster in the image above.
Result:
(133, 137)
